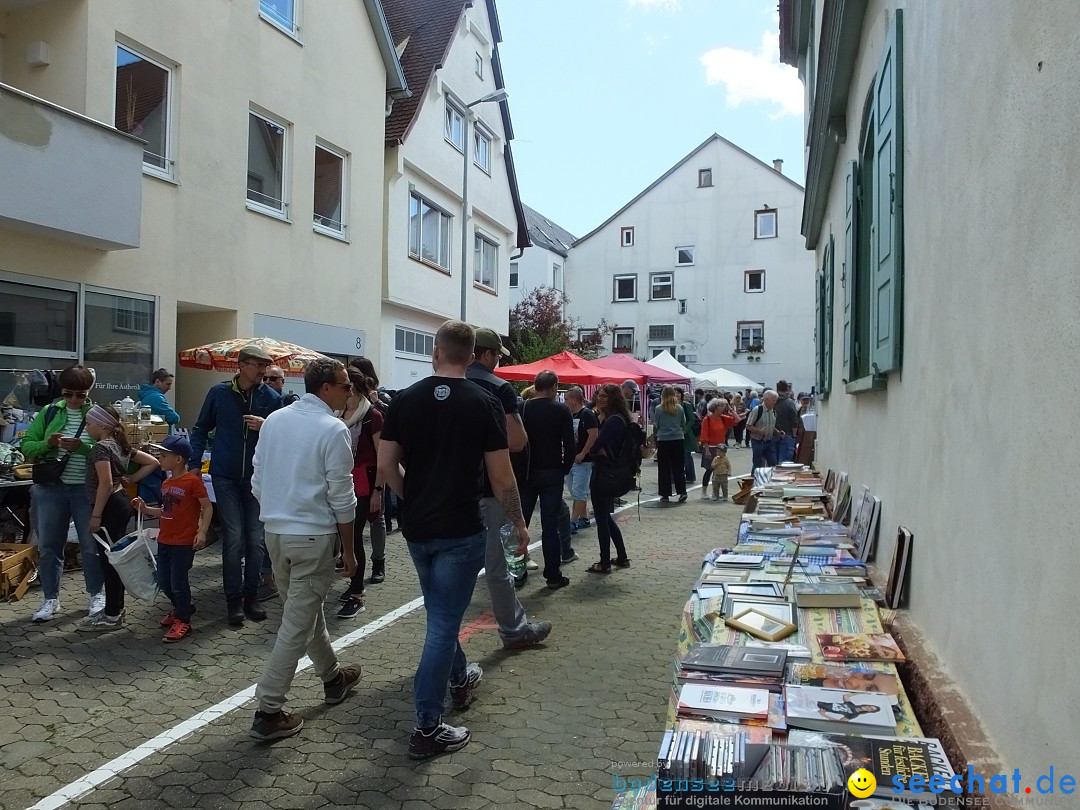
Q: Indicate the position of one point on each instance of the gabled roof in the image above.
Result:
(546, 234)
(712, 138)
(423, 30)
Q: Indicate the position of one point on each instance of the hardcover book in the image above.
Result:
(839, 710)
(850, 678)
(830, 595)
(727, 700)
(859, 647)
(739, 660)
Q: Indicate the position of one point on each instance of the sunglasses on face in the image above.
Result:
(74, 394)
(272, 379)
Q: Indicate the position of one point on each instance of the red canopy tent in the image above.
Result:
(571, 369)
(633, 367)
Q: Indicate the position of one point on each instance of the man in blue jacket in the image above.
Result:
(153, 394)
(235, 410)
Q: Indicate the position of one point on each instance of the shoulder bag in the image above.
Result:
(50, 470)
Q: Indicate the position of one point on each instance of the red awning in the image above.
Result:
(571, 369)
(633, 367)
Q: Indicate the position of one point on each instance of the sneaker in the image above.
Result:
(583, 523)
(351, 607)
(555, 584)
(266, 592)
(534, 634)
(682, 498)
(167, 620)
(573, 556)
(339, 688)
(531, 565)
(424, 744)
(275, 726)
(101, 623)
(520, 581)
(665, 499)
(96, 604)
(48, 609)
(722, 499)
(177, 631)
(462, 696)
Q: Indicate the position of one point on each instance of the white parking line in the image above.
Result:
(114, 767)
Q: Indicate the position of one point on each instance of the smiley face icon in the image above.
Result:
(862, 783)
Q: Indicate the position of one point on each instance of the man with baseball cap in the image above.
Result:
(236, 409)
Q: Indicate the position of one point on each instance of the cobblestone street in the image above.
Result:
(550, 725)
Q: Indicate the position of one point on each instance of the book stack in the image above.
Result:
(724, 664)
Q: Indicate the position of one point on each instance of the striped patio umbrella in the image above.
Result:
(223, 355)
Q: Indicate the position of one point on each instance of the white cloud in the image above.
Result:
(670, 5)
(758, 76)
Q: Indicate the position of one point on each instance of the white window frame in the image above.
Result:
(666, 337)
(418, 254)
(656, 279)
(585, 334)
(478, 66)
(401, 338)
(515, 277)
(286, 158)
(658, 350)
(482, 148)
(452, 114)
(679, 258)
(763, 216)
(480, 244)
(626, 236)
(127, 319)
(747, 274)
(170, 128)
(744, 335)
(318, 223)
(556, 276)
(290, 28)
(704, 178)
(622, 332)
(615, 287)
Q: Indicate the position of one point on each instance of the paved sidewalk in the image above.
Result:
(550, 725)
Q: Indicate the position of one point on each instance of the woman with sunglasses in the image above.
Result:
(59, 432)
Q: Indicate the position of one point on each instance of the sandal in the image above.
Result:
(621, 562)
(599, 568)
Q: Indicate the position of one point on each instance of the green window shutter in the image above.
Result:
(887, 246)
(830, 265)
(848, 274)
(819, 336)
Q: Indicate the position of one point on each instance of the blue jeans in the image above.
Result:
(173, 564)
(52, 508)
(786, 450)
(764, 453)
(447, 569)
(547, 485)
(242, 537)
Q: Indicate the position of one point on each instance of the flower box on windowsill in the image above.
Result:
(621, 350)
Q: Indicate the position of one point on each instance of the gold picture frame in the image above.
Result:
(760, 625)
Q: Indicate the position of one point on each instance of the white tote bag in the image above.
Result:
(134, 557)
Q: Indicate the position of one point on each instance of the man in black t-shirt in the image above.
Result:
(442, 429)
(787, 420)
(515, 629)
(550, 429)
(586, 428)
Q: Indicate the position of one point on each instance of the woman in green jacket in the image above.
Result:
(59, 431)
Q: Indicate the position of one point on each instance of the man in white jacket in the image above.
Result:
(303, 481)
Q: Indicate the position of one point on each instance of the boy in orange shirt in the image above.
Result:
(185, 514)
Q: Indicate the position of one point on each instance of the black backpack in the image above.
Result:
(614, 477)
(44, 387)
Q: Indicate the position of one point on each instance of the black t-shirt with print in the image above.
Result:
(444, 426)
(583, 421)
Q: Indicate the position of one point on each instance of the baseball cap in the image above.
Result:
(175, 444)
(489, 339)
(254, 352)
(633, 386)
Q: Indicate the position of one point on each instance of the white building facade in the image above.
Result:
(707, 263)
(433, 140)
(938, 183)
(170, 179)
(542, 264)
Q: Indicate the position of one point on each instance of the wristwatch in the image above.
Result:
(378, 488)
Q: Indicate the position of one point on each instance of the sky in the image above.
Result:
(607, 95)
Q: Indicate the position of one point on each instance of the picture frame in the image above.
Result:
(895, 585)
(760, 625)
(780, 609)
(754, 588)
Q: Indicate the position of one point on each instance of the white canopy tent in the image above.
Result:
(665, 361)
(726, 380)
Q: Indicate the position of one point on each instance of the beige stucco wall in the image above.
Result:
(201, 246)
(971, 445)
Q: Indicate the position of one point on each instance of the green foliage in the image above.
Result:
(539, 328)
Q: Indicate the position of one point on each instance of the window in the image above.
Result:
(661, 287)
(429, 232)
(623, 341)
(825, 320)
(556, 277)
(682, 306)
(684, 255)
(454, 130)
(119, 332)
(513, 274)
(754, 281)
(662, 332)
(282, 13)
(750, 336)
(37, 319)
(329, 205)
(659, 350)
(411, 341)
(478, 66)
(626, 237)
(266, 163)
(765, 223)
(625, 288)
(586, 334)
(873, 268)
(485, 262)
(143, 99)
(482, 149)
(133, 315)
(704, 178)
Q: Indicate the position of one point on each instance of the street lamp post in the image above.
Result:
(497, 95)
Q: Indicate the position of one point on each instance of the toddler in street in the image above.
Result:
(721, 469)
(185, 514)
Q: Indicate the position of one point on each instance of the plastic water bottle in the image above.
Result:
(515, 562)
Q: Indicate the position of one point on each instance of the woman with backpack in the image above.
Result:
(669, 420)
(610, 406)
